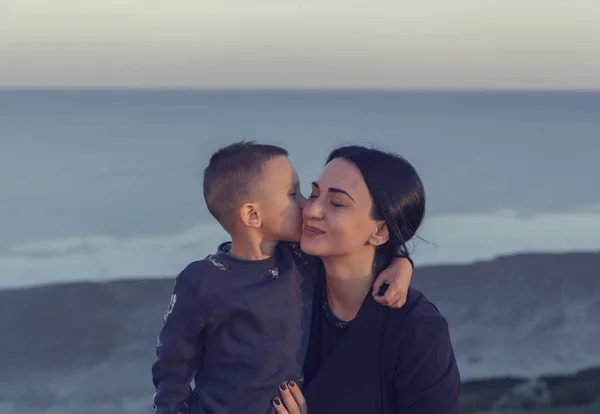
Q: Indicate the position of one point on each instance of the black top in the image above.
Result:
(238, 328)
(388, 361)
(329, 333)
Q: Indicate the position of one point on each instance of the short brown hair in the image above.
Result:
(231, 174)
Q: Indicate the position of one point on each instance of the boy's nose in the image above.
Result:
(302, 201)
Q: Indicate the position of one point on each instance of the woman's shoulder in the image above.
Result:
(418, 315)
(419, 358)
(416, 335)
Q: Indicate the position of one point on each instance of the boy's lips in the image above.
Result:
(311, 231)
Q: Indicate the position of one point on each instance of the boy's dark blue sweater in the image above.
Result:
(238, 329)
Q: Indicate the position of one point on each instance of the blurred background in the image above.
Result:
(109, 111)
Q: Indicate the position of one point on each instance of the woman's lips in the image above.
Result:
(311, 231)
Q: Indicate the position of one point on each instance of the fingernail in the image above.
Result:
(291, 383)
(276, 401)
(282, 386)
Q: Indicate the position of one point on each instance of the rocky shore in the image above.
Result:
(578, 393)
(88, 347)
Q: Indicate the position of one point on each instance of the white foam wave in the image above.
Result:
(470, 237)
(458, 239)
(103, 257)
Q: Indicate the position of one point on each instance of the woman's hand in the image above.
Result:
(291, 400)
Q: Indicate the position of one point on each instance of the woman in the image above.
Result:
(363, 357)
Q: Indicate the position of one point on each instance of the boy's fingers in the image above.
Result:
(382, 300)
(298, 396)
(395, 294)
(385, 300)
(379, 282)
(396, 301)
(390, 296)
(399, 303)
(279, 407)
(288, 400)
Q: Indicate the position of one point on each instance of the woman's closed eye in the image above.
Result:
(332, 202)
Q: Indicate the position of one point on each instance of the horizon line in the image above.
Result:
(289, 89)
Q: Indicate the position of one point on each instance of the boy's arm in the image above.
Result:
(397, 276)
(178, 349)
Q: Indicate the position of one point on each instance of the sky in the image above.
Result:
(388, 44)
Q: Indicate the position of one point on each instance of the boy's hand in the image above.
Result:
(398, 277)
(291, 401)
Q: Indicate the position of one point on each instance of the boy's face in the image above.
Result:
(280, 201)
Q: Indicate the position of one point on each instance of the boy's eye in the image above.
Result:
(293, 194)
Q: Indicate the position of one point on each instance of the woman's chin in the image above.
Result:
(308, 246)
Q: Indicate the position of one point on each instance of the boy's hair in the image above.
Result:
(231, 174)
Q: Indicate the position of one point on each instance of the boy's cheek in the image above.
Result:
(298, 236)
(292, 235)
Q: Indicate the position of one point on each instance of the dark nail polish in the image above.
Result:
(282, 386)
(291, 383)
(276, 401)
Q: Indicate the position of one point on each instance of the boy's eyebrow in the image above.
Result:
(334, 190)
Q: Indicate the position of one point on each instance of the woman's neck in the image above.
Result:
(349, 280)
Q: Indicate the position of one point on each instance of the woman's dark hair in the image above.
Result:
(398, 196)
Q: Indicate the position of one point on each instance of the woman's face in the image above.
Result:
(337, 215)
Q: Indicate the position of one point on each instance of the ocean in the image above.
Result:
(98, 185)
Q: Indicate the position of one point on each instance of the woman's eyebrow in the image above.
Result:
(334, 190)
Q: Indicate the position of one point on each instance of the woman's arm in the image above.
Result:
(427, 380)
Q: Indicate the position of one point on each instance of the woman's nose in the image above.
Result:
(313, 209)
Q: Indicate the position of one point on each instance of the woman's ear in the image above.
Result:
(381, 234)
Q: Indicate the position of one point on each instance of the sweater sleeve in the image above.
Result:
(427, 380)
(179, 345)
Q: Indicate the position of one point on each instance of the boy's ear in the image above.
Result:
(381, 234)
(250, 216)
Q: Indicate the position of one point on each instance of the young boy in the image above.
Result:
(238, 321)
